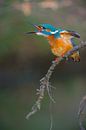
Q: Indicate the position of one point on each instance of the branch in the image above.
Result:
(45, 81)
(81, 112)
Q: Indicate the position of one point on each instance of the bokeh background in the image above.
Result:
(24, 60)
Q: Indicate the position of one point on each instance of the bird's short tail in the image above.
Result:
(75, 56)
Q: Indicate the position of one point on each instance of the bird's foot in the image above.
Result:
(55, 60)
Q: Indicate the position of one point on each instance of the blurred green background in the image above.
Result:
(24, 60)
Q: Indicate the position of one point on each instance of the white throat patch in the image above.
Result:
(41, 34)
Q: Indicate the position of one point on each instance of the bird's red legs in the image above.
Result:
(56, 59)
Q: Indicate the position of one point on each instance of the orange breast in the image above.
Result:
(59, 46)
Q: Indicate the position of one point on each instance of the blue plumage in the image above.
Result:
(48, 26)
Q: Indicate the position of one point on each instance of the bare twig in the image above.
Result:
(45, 81)
(81, 114)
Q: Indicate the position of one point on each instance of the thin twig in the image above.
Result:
(81, 114)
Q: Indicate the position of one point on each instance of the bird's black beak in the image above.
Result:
(31, 32)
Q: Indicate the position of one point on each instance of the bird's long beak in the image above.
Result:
(31, 32)
(37, 27)
(34, 32)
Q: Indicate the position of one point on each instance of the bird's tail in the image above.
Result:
(76, 56)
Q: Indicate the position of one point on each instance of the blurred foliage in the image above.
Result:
(25, 59)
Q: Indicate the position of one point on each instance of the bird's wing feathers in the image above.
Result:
(69, 34)
(73, 33)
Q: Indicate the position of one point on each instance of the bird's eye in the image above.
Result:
(43, 27)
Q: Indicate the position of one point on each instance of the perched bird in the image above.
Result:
(60, 40)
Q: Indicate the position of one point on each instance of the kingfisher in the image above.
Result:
(61, 41)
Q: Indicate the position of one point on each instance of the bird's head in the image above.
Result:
(44, 30)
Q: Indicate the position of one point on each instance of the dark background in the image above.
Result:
(24, 60)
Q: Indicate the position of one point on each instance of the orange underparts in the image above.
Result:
(61, 46)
